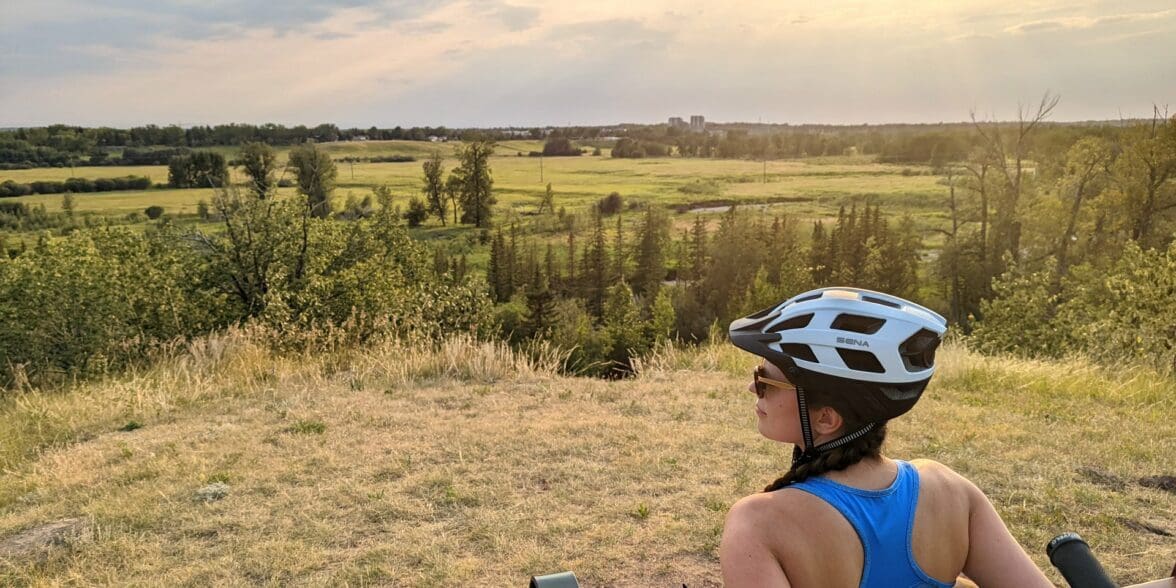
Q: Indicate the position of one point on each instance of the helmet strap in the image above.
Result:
(811, 451)
(799, 456)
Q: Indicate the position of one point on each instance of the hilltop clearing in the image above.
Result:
(472, 465)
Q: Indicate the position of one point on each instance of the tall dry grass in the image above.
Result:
(468, 462)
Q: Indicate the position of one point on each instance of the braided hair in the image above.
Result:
(839, 458)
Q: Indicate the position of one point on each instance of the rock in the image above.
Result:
(212, 492)
(36, 543)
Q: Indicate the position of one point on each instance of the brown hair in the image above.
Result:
(839, 458)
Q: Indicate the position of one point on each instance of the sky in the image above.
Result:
(486, 63)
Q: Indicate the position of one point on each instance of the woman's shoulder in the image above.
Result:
(780, 508)
(935, 477)
(930, 469)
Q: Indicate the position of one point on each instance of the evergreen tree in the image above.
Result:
(494, 268)
(618, 270)
(550, 269)
(698, 250)
(475, 183)
(571, 287)
(623, 325)
(662, 317)
(513, 270)
(595, 274)
(651, 259)
(819, 263)
(540, 303)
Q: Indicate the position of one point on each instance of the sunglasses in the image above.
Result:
(762, 382)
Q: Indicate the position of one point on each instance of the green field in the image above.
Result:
(811, 188)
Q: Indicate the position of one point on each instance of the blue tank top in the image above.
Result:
(884, 521)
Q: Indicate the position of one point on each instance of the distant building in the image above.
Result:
(677, 122)
(697, 123)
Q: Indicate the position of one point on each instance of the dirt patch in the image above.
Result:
(36, 543)
(1144, 527)
(1102, 478)
(1166, 483)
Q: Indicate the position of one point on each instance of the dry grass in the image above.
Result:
(471, 464)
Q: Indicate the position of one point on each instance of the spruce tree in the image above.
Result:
(819, 263)
(623, 325)
(596, 274)
(662, 317)
(651, 259)
(618, 271)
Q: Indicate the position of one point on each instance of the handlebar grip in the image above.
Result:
(1072, 557)
(560, 580)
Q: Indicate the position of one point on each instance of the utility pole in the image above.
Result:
(540, 167)
(352, 162)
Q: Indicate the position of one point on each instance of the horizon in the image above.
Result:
(526, 64)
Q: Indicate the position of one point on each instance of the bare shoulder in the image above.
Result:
(760, 511)
(932, 472)
(745, 553)
(994, 558)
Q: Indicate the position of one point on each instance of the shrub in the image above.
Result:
(153, 212)
(1120, 312)
(114, 296)
(559, 146)
(417, 212)
(611, 204)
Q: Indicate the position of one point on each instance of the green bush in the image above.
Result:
(1118, 312)
(94, 301)
(417, 212)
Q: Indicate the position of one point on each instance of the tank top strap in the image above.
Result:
(884, 522)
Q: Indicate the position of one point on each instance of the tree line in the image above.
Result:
(10, 188)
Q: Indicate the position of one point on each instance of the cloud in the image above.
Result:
(474, 62)
(516, 18)
(1087, 22)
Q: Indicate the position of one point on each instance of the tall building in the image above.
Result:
(697, 122)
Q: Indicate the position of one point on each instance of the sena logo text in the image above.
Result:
(849, 341)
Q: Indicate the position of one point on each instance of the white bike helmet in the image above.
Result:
(874, 351)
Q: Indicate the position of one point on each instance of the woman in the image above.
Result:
(839, 363)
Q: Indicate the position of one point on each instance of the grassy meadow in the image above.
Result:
(470, 464)
(811, 188)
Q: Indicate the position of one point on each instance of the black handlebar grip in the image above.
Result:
(1072, 557)
(560, 580)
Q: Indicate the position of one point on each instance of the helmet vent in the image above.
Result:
(762, 313)
(861, 360)
(796, 322)
(854, 323)
(809, 297)
(799, 351)
(881, 301)
(918, 351)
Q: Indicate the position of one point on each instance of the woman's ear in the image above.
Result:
(826, 420)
